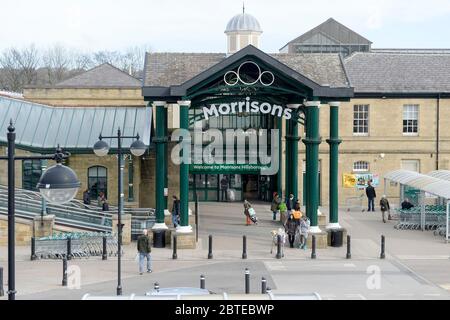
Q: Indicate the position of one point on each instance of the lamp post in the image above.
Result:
(137, 148)
(57, 184)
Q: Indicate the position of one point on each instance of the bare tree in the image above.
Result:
(11, 70)
(58, 61)
(28, 59)
(133, 59)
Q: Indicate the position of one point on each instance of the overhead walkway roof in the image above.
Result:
(428, 183)
(40, 128)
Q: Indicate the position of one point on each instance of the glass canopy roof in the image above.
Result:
(41, 128)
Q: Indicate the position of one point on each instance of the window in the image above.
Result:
(361, 119)
(361, 166)
(411, 165)
(31, 173)
(97, 181)
(410, 118)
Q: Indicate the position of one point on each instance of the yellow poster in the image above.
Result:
(349, 180)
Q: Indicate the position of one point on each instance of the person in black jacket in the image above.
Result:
(371, 195)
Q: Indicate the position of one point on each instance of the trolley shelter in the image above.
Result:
(273, 89)
(436, 183)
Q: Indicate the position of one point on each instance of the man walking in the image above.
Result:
(224, 188)
(371, 195)
(384, 205)
(144, 248)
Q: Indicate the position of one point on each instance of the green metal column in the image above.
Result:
(312, 142)
(184, 173)
(334, 142)
(166, 180)
(293, 141)
(160, 139)
(287, 159)
(280, 156)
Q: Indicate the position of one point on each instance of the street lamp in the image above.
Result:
(58, 184)
(137, 148)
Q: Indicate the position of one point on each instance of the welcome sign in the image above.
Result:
(246, 106)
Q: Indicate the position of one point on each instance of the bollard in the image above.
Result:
(247, 281)
(269, 290)
(2, 292)
(210, 255)
(33, 249)
(202, 282)
(278, 256)
(313, 247)
(383, 247)
(64, 280)
(105, 251)
(263, 285)
(69, 248)
(349, 253)
(244, 247)
(174, 254)
(156, 286)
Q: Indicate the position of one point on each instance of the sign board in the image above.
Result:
(226, 168)
(360, 180)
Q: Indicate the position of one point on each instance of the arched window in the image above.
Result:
(361, 166)
(97, 181)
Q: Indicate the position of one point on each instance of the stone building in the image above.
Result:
(397, 117)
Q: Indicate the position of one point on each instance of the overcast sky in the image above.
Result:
(198, 25)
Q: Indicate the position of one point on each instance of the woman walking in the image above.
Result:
(291, 228)
(247, 207)
(304, 230)
(175, 211)
(274, 206)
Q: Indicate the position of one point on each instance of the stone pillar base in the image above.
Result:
(344, 235)
(43, 226)
(185, 240)
(321, 240)
(126, 230)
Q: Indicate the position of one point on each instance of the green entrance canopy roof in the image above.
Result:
(40, 128)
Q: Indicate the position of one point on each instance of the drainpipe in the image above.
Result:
(438, 102)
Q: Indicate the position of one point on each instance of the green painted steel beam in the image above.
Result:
(160, 140)
(184, 169)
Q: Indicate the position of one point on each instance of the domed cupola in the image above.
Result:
(242, 30)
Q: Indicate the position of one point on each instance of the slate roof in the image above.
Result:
(41, 128)
(399, 73)
(335, 31)
(166, 69)
(101, 76)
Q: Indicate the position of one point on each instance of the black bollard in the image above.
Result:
(349, 253)
(105, 250)
(174, 254)
(278, 256)
(2, 292)
(383, 247)
(247, 281)
(64, 280)
(69, 248)
(33, 249)
(263, 285)
(244, 247)
(210, 254)
(313, 247)
(156, 286)
(202, 282)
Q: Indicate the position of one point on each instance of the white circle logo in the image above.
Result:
(249, 73)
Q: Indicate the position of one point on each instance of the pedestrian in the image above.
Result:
(290, 227)
(283, 209)
(247, 207)
(175, 211)
(304, 230)
(371, 195)
(297, 213)
(290, 203)
(105, 205)
(224, 188)
(144, 247)
(406, 204)
(384, 205)
(86, 198)
(274, 206)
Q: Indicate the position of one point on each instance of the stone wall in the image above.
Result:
(23, 231)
